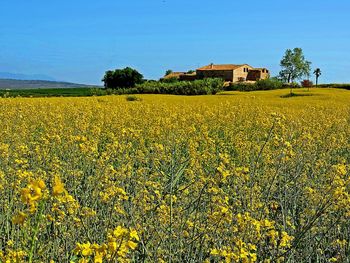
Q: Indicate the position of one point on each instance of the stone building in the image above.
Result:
(183, 76)
(232, 72)
(173, 75)
(228, 72)
(257, 74)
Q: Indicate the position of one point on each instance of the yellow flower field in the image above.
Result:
(235, 177)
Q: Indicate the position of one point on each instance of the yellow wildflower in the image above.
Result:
(58, 186)
(19, 218)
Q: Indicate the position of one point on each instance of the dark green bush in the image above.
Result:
(170, 80)
(336, 86)
(293, 85)
(266, 84)
(132, 98)
(98, 92)
(241, 86)
(197, 87)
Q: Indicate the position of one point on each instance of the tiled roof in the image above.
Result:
(174, 75)
(221, 67)
(258, 68)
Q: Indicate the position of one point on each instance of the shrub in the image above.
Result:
(98, 92)
(170, 80)
(306, 83)
(268, 84)
(336, 86)
(265, 84)
(241, 86)
(197, 87)
(293, 85)
(132, 98)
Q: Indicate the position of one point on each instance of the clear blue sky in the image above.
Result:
(76, 40)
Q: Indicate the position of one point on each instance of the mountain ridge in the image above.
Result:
(39, 84)
(21, 76)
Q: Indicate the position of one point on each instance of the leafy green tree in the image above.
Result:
(317, 73)
(294, 65)
(122, 78)
(168, 72)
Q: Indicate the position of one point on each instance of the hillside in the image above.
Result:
(20, 76)
(38, 84)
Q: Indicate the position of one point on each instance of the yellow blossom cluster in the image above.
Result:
(235, 177)
(121, 242)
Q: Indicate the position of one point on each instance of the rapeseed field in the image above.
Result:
(235, 177)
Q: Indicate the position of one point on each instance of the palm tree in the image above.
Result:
(317, 73)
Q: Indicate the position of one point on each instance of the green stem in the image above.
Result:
(36, 230)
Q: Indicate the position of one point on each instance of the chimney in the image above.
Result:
(211, 65)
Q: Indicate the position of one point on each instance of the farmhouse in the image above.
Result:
(232, 72)
(227, 72)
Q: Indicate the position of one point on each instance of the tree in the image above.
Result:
(317, 73)
(168, 72)
(294, 65)
(122, 78)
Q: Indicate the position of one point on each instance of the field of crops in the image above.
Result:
(235, 177)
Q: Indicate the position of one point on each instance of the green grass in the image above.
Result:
(62, 92)
(87, 92)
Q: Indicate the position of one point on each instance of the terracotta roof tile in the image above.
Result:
(258, 68)
(174, 75)
(222, 67)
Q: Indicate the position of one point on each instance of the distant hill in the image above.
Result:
(38, 84)
(10, 75)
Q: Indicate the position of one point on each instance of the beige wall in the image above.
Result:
(227, 75)
(257, 74)
(241, 72)
(245, 72)
(264, 76)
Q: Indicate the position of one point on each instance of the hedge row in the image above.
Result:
(266, 84)
(272, 84)
(197, 87)
(336, 86)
